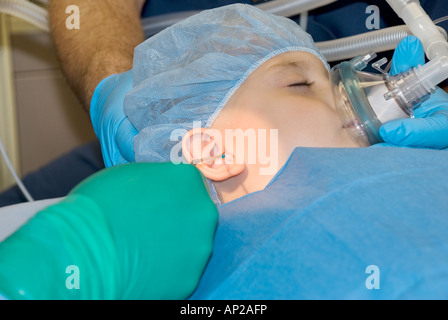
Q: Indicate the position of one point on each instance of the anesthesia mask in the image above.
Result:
(365, 101)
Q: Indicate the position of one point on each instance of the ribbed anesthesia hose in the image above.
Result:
(28, 11)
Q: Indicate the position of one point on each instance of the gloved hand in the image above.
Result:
(111, 126)
(134, 231)
(429, 128)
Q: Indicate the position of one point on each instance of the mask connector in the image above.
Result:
(407, 90)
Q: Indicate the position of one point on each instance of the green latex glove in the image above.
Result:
(136, 231)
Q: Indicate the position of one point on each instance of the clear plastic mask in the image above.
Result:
(365, 101)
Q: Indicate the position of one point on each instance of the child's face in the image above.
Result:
(291, 93)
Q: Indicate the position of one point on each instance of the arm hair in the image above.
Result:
(104, 44)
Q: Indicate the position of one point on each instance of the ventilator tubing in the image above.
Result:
(434, 43)
(335, 50)
(135, 231)
(349, 47)
(27, 11)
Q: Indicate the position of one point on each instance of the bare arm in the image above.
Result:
(104, 44)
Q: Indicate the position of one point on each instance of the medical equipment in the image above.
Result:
(33, 11)
(366, 100)
(14, 174)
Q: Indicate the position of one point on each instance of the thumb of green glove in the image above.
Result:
(136, 231)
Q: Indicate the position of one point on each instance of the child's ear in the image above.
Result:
(204, 148)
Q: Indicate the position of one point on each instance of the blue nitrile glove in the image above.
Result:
(113, 129)
(429, 128)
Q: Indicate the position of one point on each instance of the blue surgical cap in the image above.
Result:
(186, 74)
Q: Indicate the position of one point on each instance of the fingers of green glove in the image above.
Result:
(162, 221)
(431, 132)
(409, 53)
(72, 233)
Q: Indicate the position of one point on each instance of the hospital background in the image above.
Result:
(40, 117)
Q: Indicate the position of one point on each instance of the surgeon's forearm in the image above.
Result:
(103, 45)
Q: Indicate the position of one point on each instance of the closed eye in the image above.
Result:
(301, 84)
